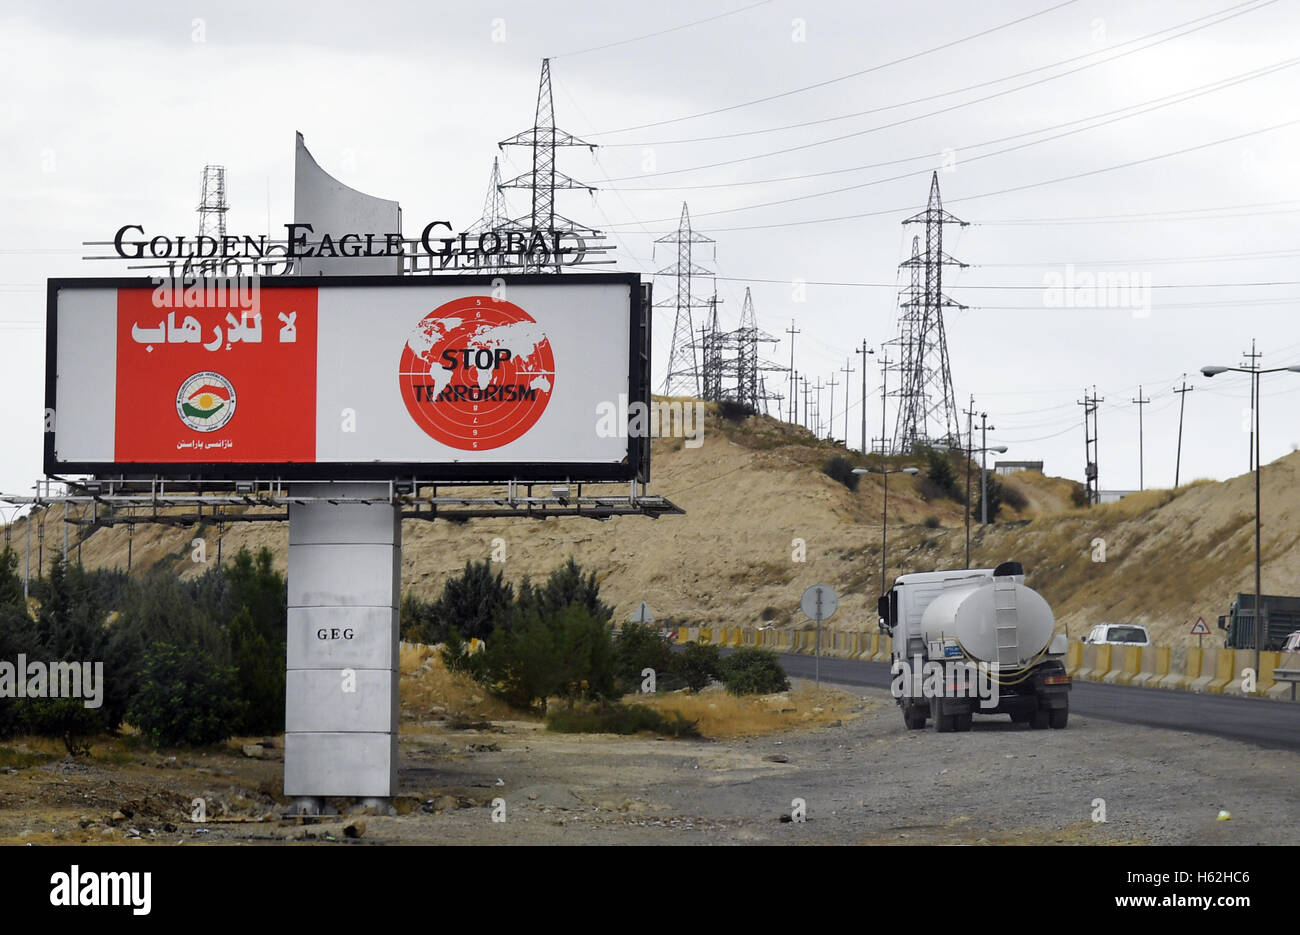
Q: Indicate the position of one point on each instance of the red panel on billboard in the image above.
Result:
(234, 380)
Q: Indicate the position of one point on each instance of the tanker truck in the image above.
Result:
(975, 641)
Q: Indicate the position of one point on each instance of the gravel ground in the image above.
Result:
(865, 780)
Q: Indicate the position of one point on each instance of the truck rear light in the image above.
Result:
(1056, 680)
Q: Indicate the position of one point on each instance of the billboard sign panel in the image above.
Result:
(457, 379)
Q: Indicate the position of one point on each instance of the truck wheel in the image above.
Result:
(1059, 718)
(1020, 717)
(1040, 719)
(944, 723)
(914, 717)
(962, 722)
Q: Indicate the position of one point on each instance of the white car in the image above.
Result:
(1119, 634)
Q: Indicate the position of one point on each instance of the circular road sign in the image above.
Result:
(828, 602)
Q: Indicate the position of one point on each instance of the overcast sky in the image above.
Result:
(1185, 151)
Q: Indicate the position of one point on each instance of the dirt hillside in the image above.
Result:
(763, 523)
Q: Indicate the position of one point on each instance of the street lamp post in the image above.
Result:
(970, 455)
(884, 522)
(1255, 374)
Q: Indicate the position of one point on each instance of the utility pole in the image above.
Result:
(864, 352)
(984, 471)
(970, 455)
(1089, 405)
(792, 332)
(1182, 400)
(847, 371)
(1142, 484)
(1254, 401)
(884, 386)
(830, 416)
(805, 401)
(817, 413)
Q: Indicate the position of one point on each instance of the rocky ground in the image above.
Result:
(863, 779)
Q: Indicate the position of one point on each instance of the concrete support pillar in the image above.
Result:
(341, 706)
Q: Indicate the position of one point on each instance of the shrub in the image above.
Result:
(697, 665)
(940, 479)
(1078, 495)
(1013, 497)
(734, 411)
(638, 647)
(566, 653)
(840, 468)
(66, 718)
(260, 674)
(753, 671)
(620, 719)
(185, 698)
(932, 522)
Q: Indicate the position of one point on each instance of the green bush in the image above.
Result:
(697, 665)
(620, 719)
(185, 698)
(566, 653)
(66, 718)
(752, 670)
(639, 647)
(735, 411)
(940, 479)
(932, 522)
(840, 468)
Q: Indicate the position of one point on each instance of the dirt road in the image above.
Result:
(863, 780)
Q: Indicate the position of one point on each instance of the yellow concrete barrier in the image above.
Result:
(1180, 662)
(683, 634)
(1282, 690)
(1124, 665)
(867, 645)
(1074, 657)
(1096, 662)
(1245, 659)
(1155, 665)
(1087, 662)
(706, 636)
(884, 649)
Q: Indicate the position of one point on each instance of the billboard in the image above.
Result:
(467, 378)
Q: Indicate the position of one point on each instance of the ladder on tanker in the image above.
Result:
(1005, 619)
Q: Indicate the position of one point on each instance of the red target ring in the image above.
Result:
(476, 373)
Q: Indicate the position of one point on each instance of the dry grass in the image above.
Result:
(723, 716)
(426, 689)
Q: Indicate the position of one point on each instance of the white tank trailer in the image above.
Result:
(975, 641)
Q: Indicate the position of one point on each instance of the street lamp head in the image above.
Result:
(1211, 371)
(1294, 369)
(911, 470)
(862, 470)
(1000, 449)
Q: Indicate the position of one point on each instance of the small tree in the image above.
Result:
(697, 665)
(639, 647)
(185, 698)
(473, 602)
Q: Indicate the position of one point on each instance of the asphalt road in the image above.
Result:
(1274, 724)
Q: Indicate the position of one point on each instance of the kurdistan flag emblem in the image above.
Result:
(206, 401)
